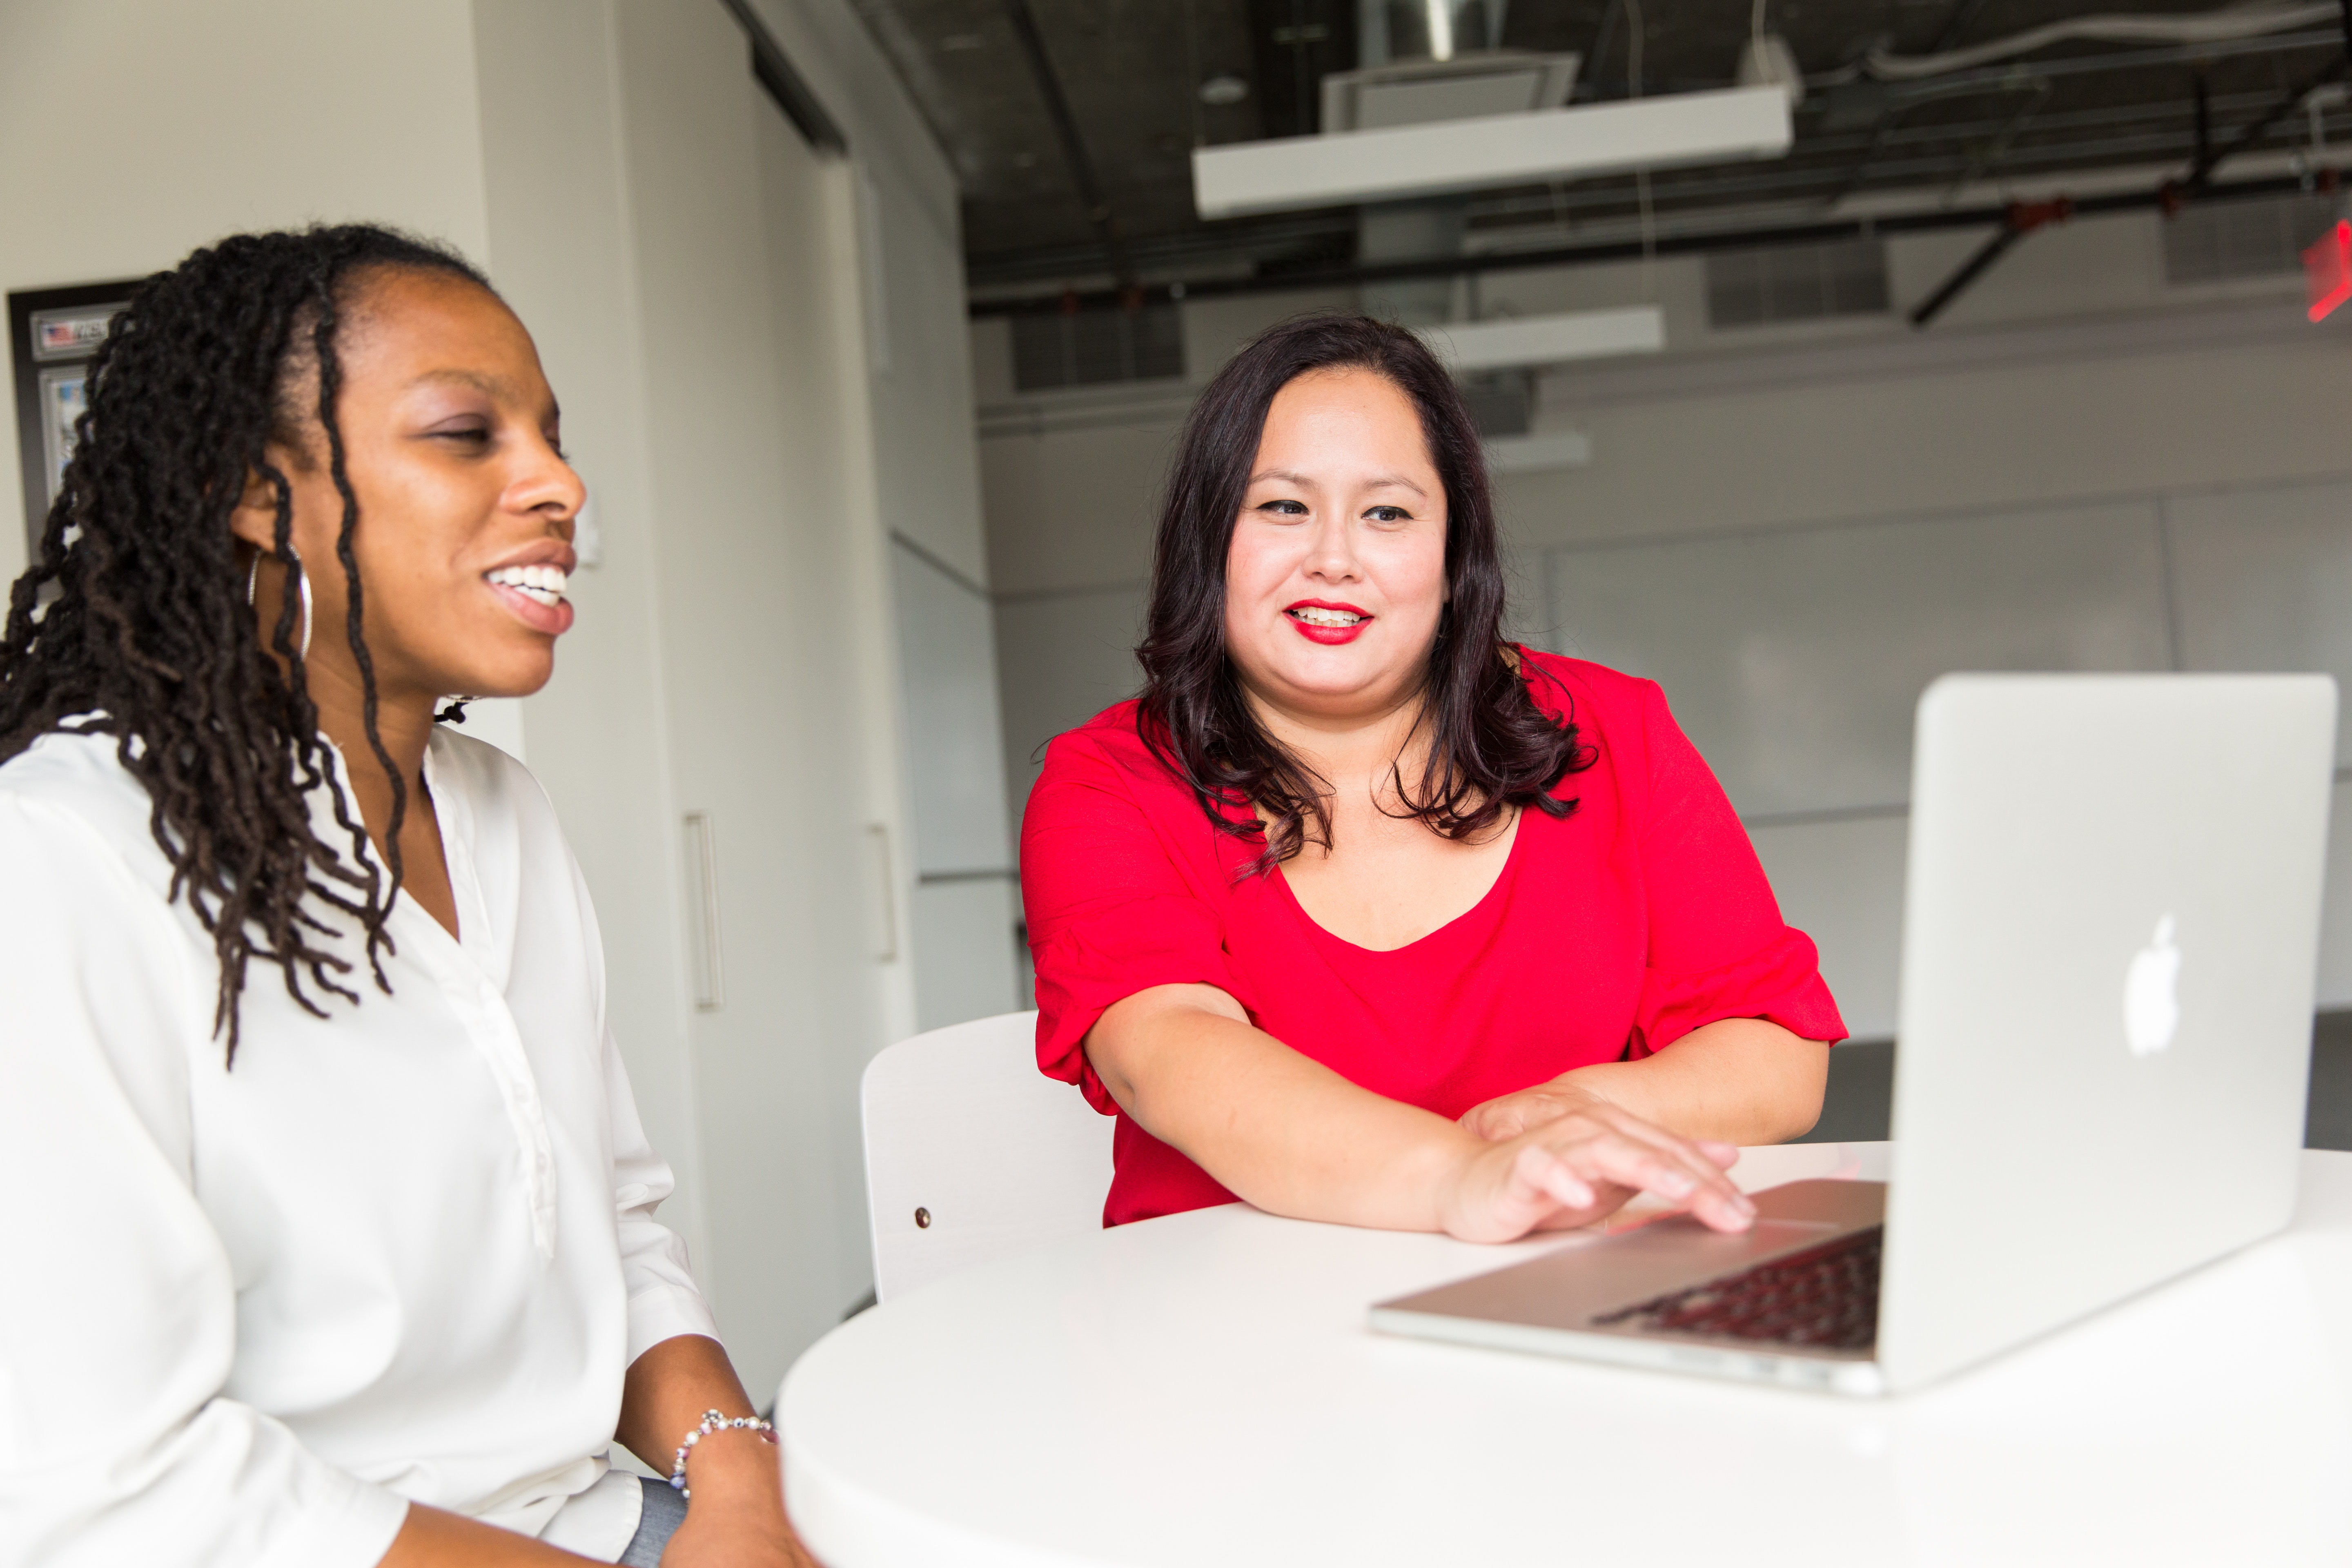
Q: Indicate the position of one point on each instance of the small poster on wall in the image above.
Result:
(52, 334)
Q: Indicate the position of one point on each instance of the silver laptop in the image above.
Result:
(2110, 945)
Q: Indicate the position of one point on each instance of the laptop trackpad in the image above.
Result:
(1569, 1287)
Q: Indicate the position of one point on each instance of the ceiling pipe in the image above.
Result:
(1060, 262)
(1074, 148)
(2021, 219)
(1331, 277)
(2168, 197)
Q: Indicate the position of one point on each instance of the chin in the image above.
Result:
(520, 677)
(1335, 677)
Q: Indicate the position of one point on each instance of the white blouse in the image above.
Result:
(405, 1251)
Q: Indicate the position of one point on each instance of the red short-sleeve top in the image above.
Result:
(1611, 932)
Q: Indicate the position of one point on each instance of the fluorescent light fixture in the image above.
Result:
(1401, 161)
(1548, 340)
(1537, 454)
(1440, 29)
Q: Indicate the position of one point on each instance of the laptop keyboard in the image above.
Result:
(1825, 1296)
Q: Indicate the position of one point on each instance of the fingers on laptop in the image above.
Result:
(1632, 1154)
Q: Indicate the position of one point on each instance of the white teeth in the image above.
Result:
(1319, 617)
(542, 584)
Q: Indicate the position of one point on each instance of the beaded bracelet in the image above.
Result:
(714, 1422)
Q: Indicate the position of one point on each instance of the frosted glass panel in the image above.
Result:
(965, 951)
(2265, 583)
(2335, 914)
(1841, 883)
(955, 760)
(1061, 659)
(1794, 659)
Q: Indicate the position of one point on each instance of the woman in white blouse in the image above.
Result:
(331, 1240)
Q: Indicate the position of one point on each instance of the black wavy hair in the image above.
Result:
(1489, 746)
(133, 622)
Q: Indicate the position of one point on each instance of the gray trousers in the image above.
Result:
(665, 1510)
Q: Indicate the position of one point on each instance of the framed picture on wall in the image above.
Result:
(52, 334)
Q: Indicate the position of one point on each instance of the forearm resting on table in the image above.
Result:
(1741, 1080)
(662, 1397)
(1279, 1131)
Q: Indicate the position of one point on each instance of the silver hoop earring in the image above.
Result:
(293, 564)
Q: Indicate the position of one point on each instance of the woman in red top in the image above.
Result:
(1361, 914)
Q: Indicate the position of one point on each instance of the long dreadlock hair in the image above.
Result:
(146, 635)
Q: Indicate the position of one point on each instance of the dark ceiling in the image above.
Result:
(1049, 203)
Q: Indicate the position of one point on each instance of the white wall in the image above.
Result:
(559, 239)
(242, 120)
(698, 280)
(754, 586)
(1794, 528)
(955, 892)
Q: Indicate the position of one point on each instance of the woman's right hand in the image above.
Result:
(1583, 1167)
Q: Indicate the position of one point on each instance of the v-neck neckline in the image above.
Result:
(457, 864)
(464, 892)
(1493, 891)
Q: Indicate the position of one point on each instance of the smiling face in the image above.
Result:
(465, 502)
(1335, 576)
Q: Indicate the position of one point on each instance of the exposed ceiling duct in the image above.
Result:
(2060, 97)
(2223, 25)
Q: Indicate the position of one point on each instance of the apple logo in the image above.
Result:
(2151, 998)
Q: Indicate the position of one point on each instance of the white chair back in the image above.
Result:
(972, 1153)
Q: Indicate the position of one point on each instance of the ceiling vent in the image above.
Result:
(1773, 284)
(1421, 92)
(2219, 242)
(1091, 347)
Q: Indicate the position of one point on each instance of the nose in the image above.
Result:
(549, 486)
(1332, 551)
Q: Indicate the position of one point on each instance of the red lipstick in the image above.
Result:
(1329, 626)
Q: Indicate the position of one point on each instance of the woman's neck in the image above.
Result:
(1349, 747)
(404, 722)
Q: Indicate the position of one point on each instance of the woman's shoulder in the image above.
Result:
(81, 776)
(486, 773)
(1109, 746)
(1623, 722)
(1105, 769)
(1586, 694)
(501, 801)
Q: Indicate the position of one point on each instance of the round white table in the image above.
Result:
(1202, 1390)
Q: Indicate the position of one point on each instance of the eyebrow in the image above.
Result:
(1379, 481)
(1294, 476)
(479, 382)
